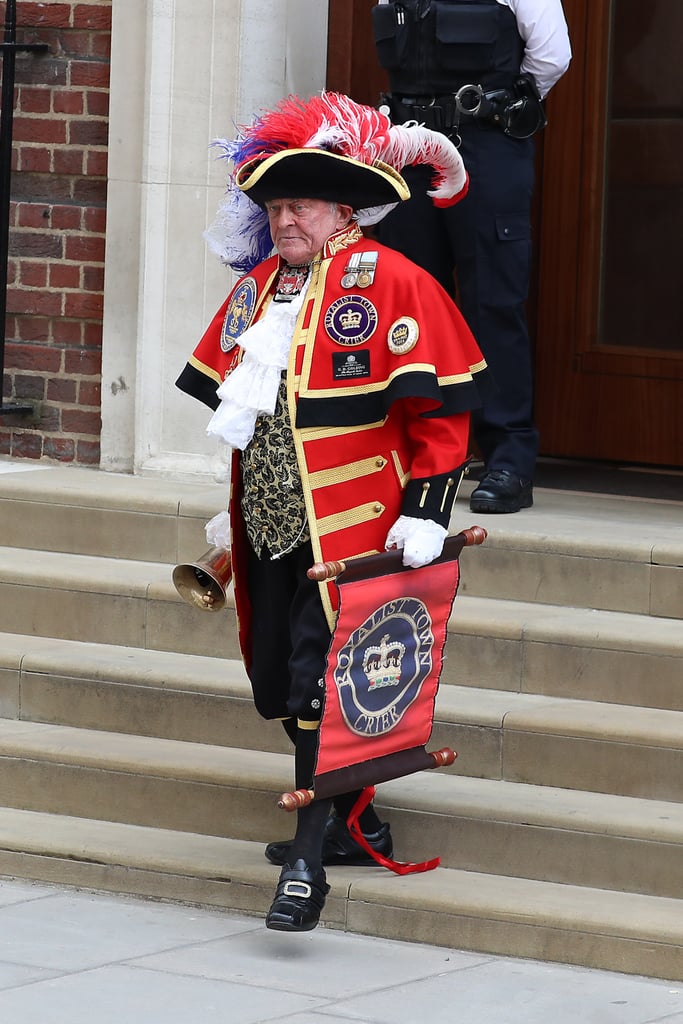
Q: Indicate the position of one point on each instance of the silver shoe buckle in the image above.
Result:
(294, 888)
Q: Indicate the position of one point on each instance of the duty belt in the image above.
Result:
(436, 112)
(518, 111)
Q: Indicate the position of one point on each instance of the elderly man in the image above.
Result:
(342, 376)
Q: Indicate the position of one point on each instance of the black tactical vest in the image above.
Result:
(432, 47)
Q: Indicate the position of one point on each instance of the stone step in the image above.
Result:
(594, 654)
(585, 551)
(88, 512)
(105, 600)
(615, 657)
(518, 737)
(569, 549)
(549, 834)
(142, 692)
(590, 927)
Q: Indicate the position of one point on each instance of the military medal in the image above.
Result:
(366, 269)
(360, 270)
(351, 271)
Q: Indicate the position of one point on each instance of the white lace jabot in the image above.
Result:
(251, 389)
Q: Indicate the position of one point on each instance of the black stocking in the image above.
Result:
(310, 822)
(368, 821)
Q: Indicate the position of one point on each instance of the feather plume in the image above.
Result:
(330, 121)
(412, 143)
(239, 234)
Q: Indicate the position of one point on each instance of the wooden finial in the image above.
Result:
(321, 571)
(475, 535)
(442, 758)
(293, 801)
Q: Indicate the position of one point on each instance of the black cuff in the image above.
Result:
(432, 497)
(199, 385)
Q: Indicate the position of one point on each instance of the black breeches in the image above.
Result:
(290, 636)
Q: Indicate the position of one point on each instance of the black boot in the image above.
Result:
(501, 491)
(299, 899)
(339, 846)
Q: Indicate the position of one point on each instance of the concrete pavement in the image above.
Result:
(80, 957)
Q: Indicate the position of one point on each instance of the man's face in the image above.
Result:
(300, 227)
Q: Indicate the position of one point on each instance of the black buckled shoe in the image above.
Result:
(339, 846)
(501, 491)
(299, 899)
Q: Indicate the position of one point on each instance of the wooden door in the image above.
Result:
(606, 302)
(609, 347)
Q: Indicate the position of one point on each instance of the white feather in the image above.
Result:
(412, 143)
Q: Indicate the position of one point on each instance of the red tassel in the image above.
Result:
(398, 867)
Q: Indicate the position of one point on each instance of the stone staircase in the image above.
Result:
(131, 758)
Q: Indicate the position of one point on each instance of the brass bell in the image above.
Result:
(203, 583)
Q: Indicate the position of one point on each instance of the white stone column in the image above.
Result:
(183, 73)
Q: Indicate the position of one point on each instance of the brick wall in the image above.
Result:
(57, 225)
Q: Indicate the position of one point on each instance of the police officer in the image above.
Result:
(478, 71)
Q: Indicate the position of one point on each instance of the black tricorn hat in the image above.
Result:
(309, 173)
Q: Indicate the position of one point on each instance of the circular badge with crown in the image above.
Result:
(382, 666)
(351, 320)
(403, 335)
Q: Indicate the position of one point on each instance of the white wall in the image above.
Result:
(183, 73)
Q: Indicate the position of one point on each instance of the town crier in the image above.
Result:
(342, 376)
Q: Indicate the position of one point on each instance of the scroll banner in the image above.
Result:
(383, 669)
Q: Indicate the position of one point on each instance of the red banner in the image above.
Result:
(383, 669)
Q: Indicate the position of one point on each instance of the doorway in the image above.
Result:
(606, 305)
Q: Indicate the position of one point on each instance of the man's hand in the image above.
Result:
(218, 531)
(421, 540)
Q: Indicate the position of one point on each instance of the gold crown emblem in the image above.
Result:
(382, 665)
(350, 320)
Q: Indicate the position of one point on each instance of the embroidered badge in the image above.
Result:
(290, 282)
(350, 365)
(403, 335)
(351, 320)
(381, 668)
(239, 313)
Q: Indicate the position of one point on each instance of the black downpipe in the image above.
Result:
(9, 48)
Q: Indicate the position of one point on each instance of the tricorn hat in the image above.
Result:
(327, 147)
(321, 174)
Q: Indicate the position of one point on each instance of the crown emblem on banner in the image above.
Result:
(382, 665)
(350, 320)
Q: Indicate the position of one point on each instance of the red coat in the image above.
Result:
(380, 383)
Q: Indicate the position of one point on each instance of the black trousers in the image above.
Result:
(486, 240)
(290, 636)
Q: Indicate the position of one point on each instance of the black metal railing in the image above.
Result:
(9, 48)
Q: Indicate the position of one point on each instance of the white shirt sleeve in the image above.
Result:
(547, 50)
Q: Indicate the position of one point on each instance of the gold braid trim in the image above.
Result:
(350, 471)
(350, 517)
